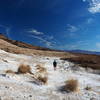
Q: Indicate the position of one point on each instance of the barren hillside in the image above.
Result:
(17, 47)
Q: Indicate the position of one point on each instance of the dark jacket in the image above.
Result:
(54, 63)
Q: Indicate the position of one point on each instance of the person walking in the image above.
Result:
(55, 64)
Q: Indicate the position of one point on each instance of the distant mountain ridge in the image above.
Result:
(84, 52)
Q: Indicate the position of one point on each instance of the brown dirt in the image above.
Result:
(85, 60)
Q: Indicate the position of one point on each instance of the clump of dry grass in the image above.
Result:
(88, 88)
(41, 71)
(23, 69)
(42, 79)
(41, 74)
(10, 71)
(5, 60)
(71, 85)
(40, 68)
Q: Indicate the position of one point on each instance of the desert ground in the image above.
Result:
(17, 85)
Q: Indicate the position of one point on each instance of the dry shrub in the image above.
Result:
(40, 68)
(71, 85)
(41, 74)
(23, 69)
(5, 60)
(41, 71)
(43, 79)
(88, 88)
(10, 71)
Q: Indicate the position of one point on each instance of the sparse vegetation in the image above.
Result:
(88, 88)
(41, 74)
(10, 71)
(85, 60)
(40, 68)
(23, 69)
(30, 86)
(5, 60)
(43, 79)
(71, 85)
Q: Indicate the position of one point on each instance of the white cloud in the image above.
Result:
(90, 20)
(98, 45)
(72, 28)
(7, 29)
(73, 35)
(47, 43)
(34, 31)
(48, 40)
(84, 0)
(71, 31)
(47, 37)
(76, 45)
(98, 36)
(94, 6)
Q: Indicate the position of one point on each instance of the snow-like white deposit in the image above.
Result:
(25, 87)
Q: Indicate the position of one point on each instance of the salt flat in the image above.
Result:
(25, 87)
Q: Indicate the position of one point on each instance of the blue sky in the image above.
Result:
(57, 24)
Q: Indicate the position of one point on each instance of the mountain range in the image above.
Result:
(84, 52)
